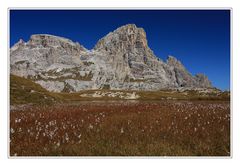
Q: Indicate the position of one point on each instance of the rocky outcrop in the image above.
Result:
(120, 60)
(203, 81)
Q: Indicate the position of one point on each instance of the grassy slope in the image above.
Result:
(148, 95)
(23, 91)
(186, 95)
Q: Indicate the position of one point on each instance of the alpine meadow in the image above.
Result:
(119, 98)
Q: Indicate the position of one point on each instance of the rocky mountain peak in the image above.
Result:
(127, 38)
(120, 60)
(203, 80)
(175, 63)
(46, 40)
(51, 41)
(131, 29)
(172, 61)
(21, 41)
(18, 45)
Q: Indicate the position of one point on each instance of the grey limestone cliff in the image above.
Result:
(120, 60)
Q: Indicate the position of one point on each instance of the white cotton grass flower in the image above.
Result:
(58, 144)
(18, 120)
(12, 131)
(66, 137)
(90, 126)
(122, 131)
(195, 129)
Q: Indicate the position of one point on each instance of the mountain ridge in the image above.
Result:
(120, 60)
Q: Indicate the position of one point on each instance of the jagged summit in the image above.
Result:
(120, 60)
(48, 37)
(127, 26)
(47, 40)
(18, 45)
(42, 36)
(128, 29)
(126, 37)
(172, 61)
(128, 46)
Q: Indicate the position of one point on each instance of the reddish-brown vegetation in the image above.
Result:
(122, 128)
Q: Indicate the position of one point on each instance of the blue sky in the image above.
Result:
(200, 39)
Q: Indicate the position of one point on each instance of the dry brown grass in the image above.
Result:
(122, 128)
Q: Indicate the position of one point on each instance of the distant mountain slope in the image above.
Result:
(122, 60)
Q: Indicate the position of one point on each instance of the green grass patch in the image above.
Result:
(24, 91)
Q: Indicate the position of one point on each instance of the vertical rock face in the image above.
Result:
(203, 81)
(183, 77)
(120, 60)
(129, 44)
(129, 55)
